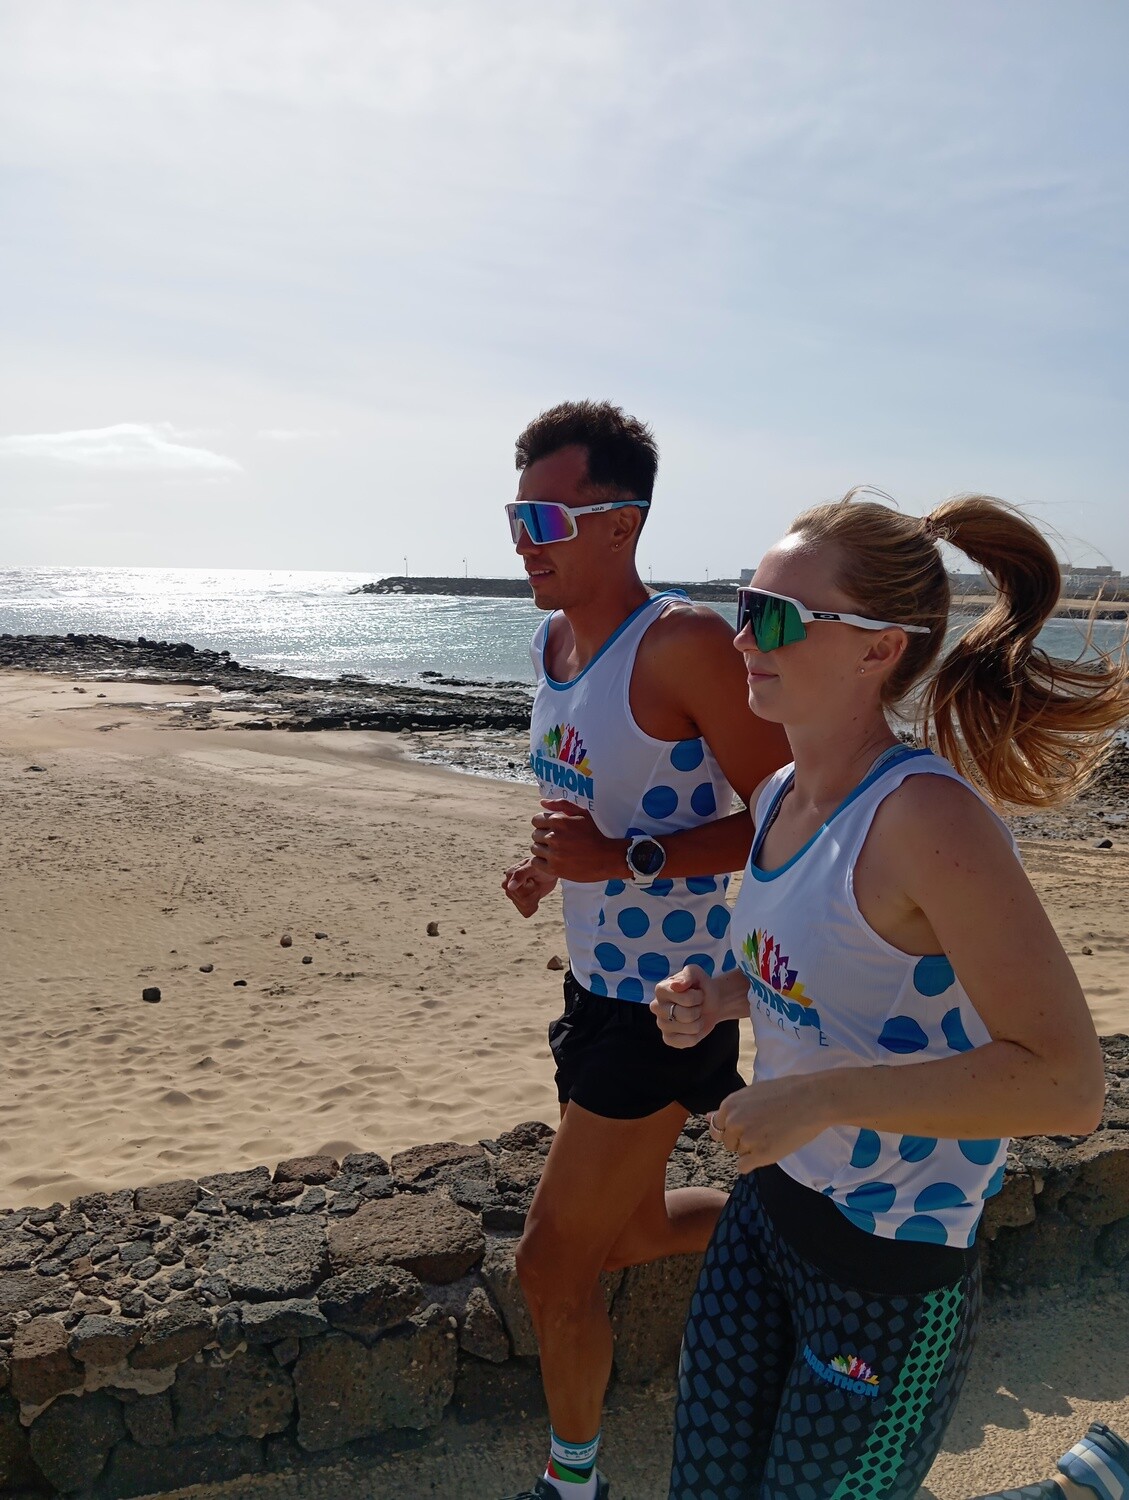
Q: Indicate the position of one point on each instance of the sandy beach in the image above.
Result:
(141, 851)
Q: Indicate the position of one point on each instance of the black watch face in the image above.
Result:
(647, 857)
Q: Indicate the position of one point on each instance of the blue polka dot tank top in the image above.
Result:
(585, 746)
(825, 991)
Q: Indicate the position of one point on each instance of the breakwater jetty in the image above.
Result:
(716, 591)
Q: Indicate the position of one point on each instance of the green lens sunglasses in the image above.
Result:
(776, 620)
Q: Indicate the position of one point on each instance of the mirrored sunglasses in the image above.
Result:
(776, 620)
(547, 521)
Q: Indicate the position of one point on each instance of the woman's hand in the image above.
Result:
(766, 1121)
(682, 1006)
(690, 1003)
(526, 883)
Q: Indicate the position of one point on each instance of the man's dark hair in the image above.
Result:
(622, 453)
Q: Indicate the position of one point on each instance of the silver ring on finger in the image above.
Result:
(673, 1007)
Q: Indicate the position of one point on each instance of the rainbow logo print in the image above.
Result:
(562, 761)
(846, 1371)
(775, 984)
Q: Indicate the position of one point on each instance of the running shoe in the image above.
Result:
(543, 1490)
(1100, 1460)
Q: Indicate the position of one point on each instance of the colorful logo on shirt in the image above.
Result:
(561, 760)
(776, 984)
(846, 1371)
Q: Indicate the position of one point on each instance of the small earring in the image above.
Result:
(862, 671)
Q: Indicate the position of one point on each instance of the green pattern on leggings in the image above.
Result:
(878, 1464)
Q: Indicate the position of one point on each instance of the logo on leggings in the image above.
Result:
(846, 1371)
(561, 760)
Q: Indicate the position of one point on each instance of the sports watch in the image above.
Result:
(645, 857)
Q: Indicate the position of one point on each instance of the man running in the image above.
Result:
(640, 734)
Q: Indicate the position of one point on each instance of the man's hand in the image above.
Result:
(682, 1007)
(526, 883)
(567, 840)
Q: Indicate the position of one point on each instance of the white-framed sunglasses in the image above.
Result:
(546, 521)
(775, 620)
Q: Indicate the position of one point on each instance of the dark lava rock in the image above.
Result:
(429, 1236)
(370, 1299)
(103, 1341)
(308, 1169)
(134, 1470)
(176, 1199)
(531, 1134)
(483, 1333)
(347, 1390)
(42, 1367)
(271, 1260)
(254, 1183)
(365, 1164)
(423, 1164)
(249, 1395)
(297, 1318)
(18, 1470)
(172, 1335)
(72, 1439)
(151, 993)
(149, 1420)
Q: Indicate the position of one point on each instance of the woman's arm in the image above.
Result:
(1041, 1074)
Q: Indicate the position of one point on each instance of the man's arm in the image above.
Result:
(688, 682)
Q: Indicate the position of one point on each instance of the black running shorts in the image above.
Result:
(611, 1059)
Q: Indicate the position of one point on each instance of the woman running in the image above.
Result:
(911, 1003)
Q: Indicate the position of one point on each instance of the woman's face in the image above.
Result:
(835, 673)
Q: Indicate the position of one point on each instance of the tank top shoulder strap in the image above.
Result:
(623, 640)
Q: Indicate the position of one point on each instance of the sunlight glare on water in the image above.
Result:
(309, 623)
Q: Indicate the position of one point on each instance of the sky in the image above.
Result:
(280, 282)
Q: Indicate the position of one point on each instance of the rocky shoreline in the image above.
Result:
(274, 700)
(465, 724)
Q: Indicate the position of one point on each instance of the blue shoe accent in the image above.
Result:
(1100, 1461)
(543, 1490)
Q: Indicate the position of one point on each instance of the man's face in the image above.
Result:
(557, 571)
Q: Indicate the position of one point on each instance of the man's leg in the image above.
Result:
(600, 1194)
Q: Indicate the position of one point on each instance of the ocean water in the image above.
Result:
(310, 624)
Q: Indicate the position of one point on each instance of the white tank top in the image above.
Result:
(825, 991)
(623, 935)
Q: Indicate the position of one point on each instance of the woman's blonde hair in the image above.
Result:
(1027, 728)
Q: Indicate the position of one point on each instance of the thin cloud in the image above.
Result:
(293, 434)
(127, 445)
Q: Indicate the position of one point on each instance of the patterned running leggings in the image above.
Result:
(794, 1387)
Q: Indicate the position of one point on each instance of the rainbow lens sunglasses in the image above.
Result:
(775, 620)
(549, 521)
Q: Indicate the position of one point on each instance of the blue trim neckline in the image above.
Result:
(560, 687)
(868, 780)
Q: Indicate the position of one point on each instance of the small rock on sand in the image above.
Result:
(306, 959)
(285, 940)
(433, 929)
(556, 962)
(239, 984)
(206, 968)
(151, 993)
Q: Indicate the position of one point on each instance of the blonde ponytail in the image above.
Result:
(1026, 728)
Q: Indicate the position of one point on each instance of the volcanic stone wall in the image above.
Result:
(201, 1330)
